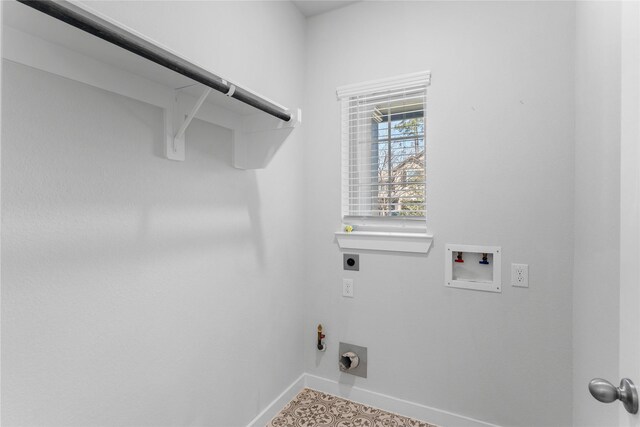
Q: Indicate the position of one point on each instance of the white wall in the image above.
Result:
(136, 290)
(630, 200)
(258, 44)
(597, 208)
(500, 172)
(142, 291)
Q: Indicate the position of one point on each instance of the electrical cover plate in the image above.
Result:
(361, 369)
(351, 262)
(520, 275)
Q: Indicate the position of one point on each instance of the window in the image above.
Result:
(397, 150)
(383, 146)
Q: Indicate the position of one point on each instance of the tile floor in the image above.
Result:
(311, 408)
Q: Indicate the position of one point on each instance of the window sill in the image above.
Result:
(385, 241)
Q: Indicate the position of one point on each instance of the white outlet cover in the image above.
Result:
(520, 275)
(347, 288)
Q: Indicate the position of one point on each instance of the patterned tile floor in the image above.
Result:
(311, 408)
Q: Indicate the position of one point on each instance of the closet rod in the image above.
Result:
(79, 18)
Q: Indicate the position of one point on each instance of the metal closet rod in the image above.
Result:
(75, 16)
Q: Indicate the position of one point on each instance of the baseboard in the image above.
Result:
(267, 414)
(392, 404)
(382, 401)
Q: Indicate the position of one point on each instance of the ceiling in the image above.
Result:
(315, 7)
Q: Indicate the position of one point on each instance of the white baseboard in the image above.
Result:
(382, 401)
(392, 404)
(272, 409)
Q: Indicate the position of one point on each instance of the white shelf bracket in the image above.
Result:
(175, 119)
(259, 137)
(259, 126)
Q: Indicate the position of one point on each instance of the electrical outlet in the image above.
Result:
(520, 275)
(351, 262)
(347, 288)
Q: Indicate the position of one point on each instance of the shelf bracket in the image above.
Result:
(259, 137)
(175, 119)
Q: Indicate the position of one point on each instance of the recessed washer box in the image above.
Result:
(473, 267)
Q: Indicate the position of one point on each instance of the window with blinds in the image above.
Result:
(383, 148)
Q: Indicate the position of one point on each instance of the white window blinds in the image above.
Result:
(383, 147)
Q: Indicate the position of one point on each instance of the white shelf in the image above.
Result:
(36, 40)
(385, 241)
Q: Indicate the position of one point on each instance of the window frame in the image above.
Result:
(387, 233)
